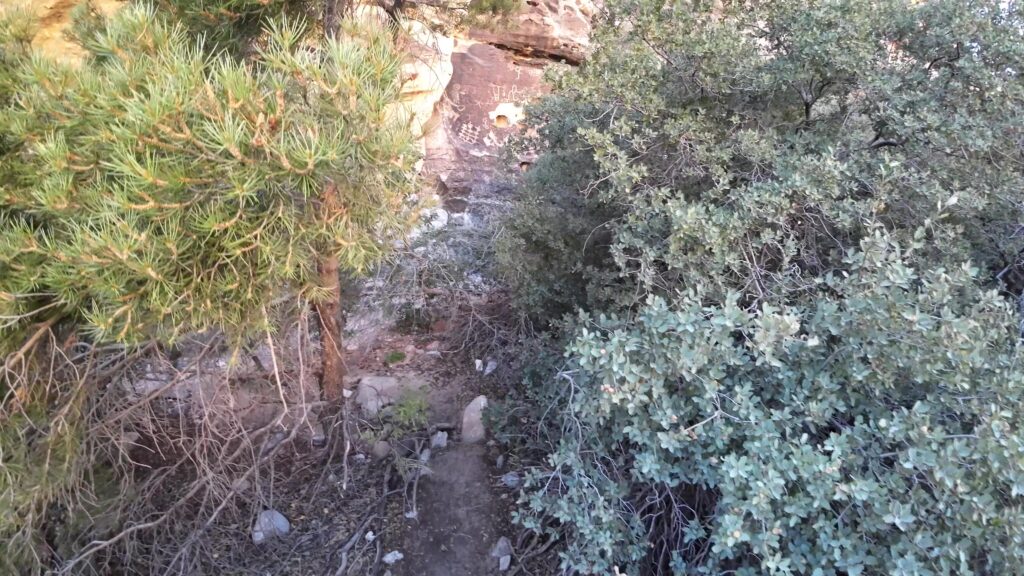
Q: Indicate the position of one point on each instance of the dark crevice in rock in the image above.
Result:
(535, 54)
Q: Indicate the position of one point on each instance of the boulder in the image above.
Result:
(473, 421)
(426, 71)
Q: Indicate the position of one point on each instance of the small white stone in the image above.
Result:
(511, 480)
(270, 524)
(392, 557)
(462, 219)
(439, 440)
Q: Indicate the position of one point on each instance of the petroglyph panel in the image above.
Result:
(487, 93)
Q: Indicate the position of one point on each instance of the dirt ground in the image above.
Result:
(362, 509)
(461, 511)
(459, 520)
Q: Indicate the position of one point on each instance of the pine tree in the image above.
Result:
(166, 186)
(226, 24)
(157, 190)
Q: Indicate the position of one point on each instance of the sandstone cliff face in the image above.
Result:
(495, 73)
(558, 29)
(54, 19)
(464, 92)
(483, 107)
(426, 73)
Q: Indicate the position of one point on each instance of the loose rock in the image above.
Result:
(318, 438)
(381, 449)
(511, 480)
(439, 440)
(503, 547)
(270, 524)
(392, 557)
(473, 421)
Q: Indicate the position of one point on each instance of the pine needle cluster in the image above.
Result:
(158, 189)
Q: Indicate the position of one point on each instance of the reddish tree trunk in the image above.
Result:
(332, 380)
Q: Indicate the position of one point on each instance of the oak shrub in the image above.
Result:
(789, 236)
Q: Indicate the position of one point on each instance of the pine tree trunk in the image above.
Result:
(332, 380)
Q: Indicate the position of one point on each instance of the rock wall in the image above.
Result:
(556, 29)
(496, 71)
(482, 109)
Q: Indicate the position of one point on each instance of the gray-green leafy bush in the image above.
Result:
(798, 350)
